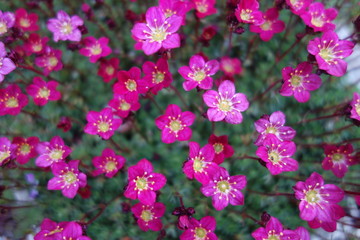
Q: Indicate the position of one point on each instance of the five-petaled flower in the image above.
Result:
(108, 69)
(225, 104)
(274, 230)
(198, 73)
(50, 60)
(123, 104)
(35, 44)
(6, 64)
(174, 124)
(201, 230)
(108, 163)
(25, 148)
(204, 7)
(221, 147)
(149, 216)
(50, 230)
(42, 91)
(52, 152)
(318, 202)
(7, 21)
(143, 182)
(26, 21)
(65, 27)
(355, 107)
(130, 82)
(270, 26)
(95, 48)
(247, 11)
(12, 100)
(67, 178)
(102, 123)
(319, 18)
(158, 31)
(225, 189)
(157, 76)
(298, 7)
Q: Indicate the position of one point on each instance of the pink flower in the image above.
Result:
(198, 73)
(52, 152)
(204, 7)
(203, 229)
(225, 104)
(6, 64)
(298, 7)
(157, 76)
(149, 216)
(200, 163)
(6, 150)
(230, 66)
(303, 233)
(247, 11)
(7, 20)
(25, 21)
(273, 124)
(102, 123)
(50, 60)
(158, 31)
(25, 148)
(337, 159)
(177, 7)
(130, 82)
(277, 155)
(299, 82)
(270, 26)
(108, 163)
(35, 44)
(67, 178)
(65, 27)
(318, 202)
(274, 230)
(122, 105)
(64, 124)
(12, 100)
(225, 189)
(50, 230)
(108, 69)
(221, 147)
(95, 49)
(73, 231)
(42, 91)
(329, 52)
(319, 18)
(174, 124)
(143, 182)
(355, 107)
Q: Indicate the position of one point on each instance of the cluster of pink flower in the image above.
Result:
(63, 230)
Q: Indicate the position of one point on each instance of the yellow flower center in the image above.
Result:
(109, 70)
(110, 166)
(357, 108)
(141, 183)
(326, 54)
(273, 237)
(198, 165)
(200, 233)
(223, 186)
(274, 157)
(146, 215)
(225, 105)
(158, 35)
(175, 125)
(312, 196)
(296, 80)
(44, 92)
(218, 147)
(24, 22)
(317, 22)
(245, 14)
(158, 77)
(199, 76)
(103, 127)
(53, 61)
(201, 7)
(70, 177)
(131, 85)
(66, 28)
(124, 106)
(4, 155)
(266, 26)
(56, 154)
(25, 149)
(37, 47)
(271, 130)
(3, 28)
(337, 157)
(96, 50)
(12, 102)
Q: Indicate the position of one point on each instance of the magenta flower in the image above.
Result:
(200, 163)
(174, 124)
(6, 64)
(67, 178)
(50, 60)
(273, 124)
(225, 104)
(298, 7)
(149, 216)
(157, 76)
(73, 231)
(26, 21)
(12, 100)
(42, 91)
(230, 66)
(179, 8)
(158, 31)
(50, 230)
(274, 230)
(329, 52)
(7, 20)
(25, 148)
(198, 73)
(338, 159)
(108, 163)
(299, 82)
(355, 107)
(270, 26)
(221, 147)
(318, 202)
(122, 105)
(52, 152)
(108, 69)
(102, 123)
(204, 7)
(303, 233)
(130, 82)
(277, 155)
(319, 18)
(65, 27)
(247, 11)
(225, 189)
(95, 49)
(6, 150)
(35, 44)
(201, 230)
(143, 182)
